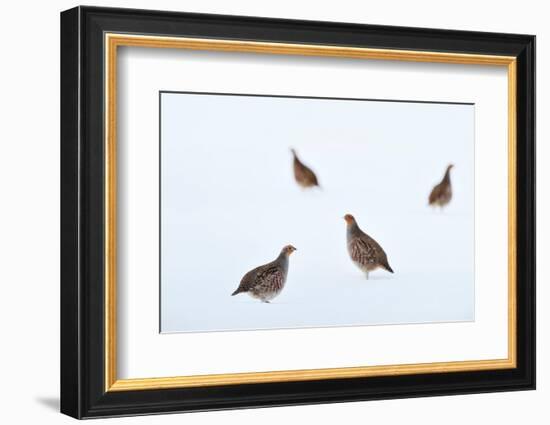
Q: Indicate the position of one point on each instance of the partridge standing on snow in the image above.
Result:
(363, 250)
(304, 176)
(442, 193)
(267, 281)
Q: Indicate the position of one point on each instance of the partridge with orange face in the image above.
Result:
(442, 193)
(304, 176)
(267, 281)
(363, 250)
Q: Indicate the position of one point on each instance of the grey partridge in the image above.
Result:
(304, 176)
(363, 250)
(267, 281)
(442, 193)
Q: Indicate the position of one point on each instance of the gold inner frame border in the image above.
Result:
(113, 41)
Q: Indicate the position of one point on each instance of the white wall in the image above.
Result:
(29, 229)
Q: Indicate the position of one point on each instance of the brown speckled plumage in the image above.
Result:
(304, 176)
(363, 250)
(442, 193)
(267, 281)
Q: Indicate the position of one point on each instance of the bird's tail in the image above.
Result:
(386, 266)
(237, 291)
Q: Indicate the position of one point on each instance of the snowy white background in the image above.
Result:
(229, 203)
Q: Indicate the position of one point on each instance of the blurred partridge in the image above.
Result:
(442, 193)
(363, 250)
(267, 281)
(305, 177)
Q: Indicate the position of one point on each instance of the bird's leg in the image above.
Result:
(367, 275)
(266, 301)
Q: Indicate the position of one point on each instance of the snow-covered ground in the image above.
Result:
(229, 203)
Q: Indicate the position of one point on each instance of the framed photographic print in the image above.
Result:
(261, 212)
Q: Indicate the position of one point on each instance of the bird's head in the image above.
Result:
(349, 219)
(450, 166)
(288, 249)
(293, 151)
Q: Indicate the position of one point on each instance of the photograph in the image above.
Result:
(285, 207)
(281, 212)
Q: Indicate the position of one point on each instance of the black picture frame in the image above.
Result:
(83, 392)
